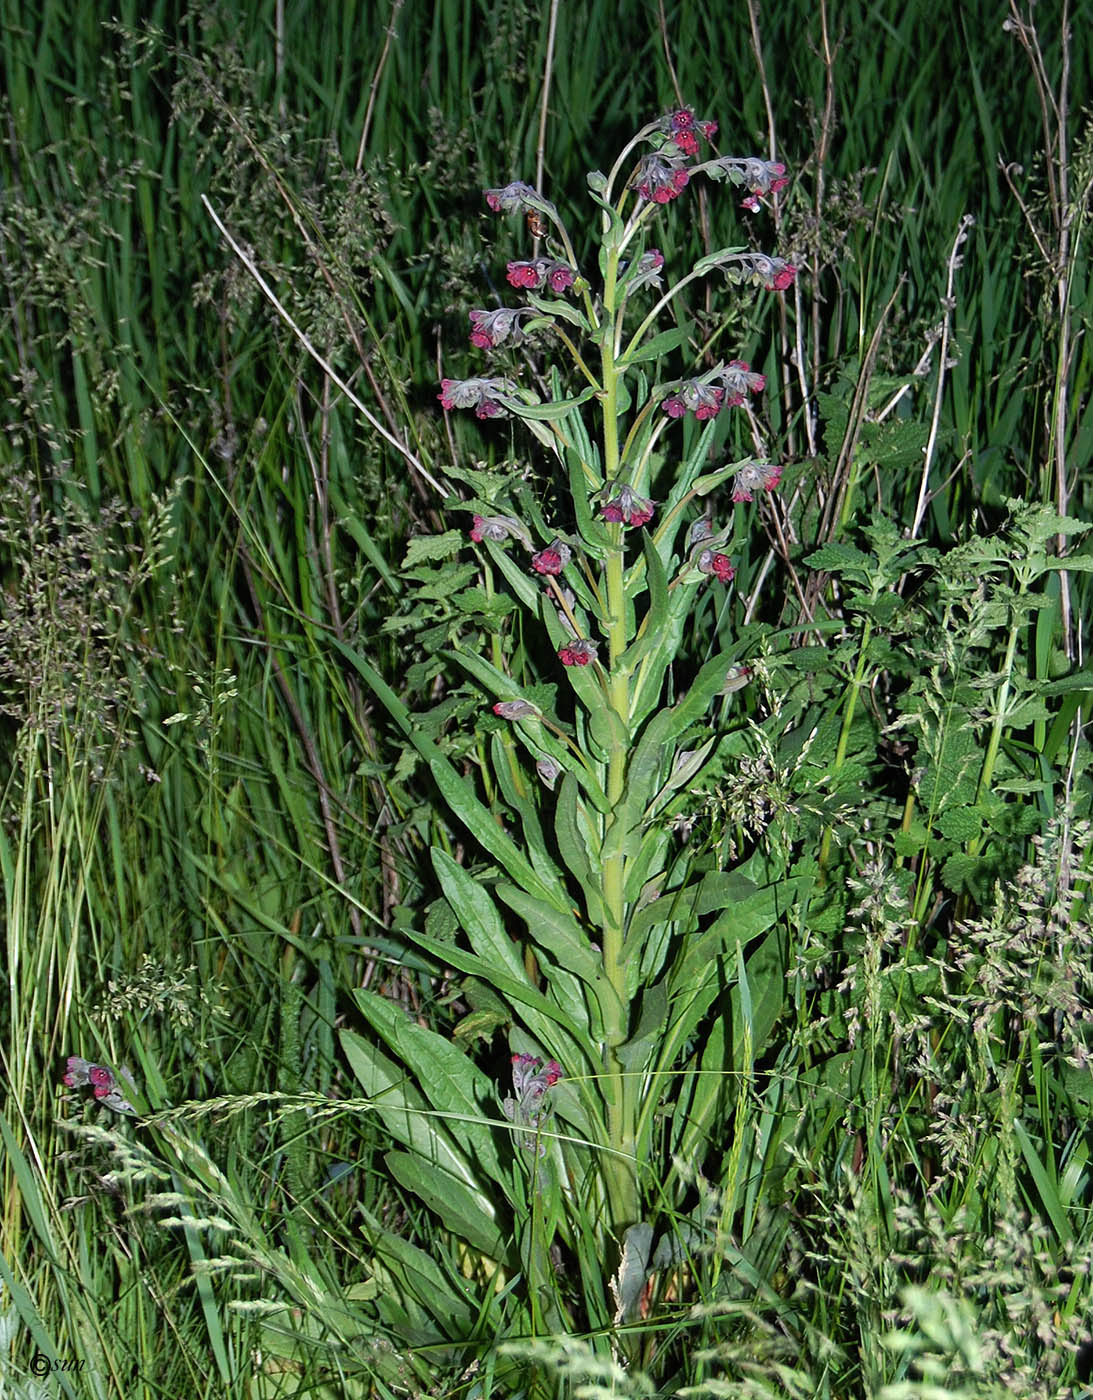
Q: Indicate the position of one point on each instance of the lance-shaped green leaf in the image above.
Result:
(466, 1213)
(419, 1275)
(521, 582)
(520, 800)
(713, 1084)
(545, 412)
(611, 237)
(715, 260)
(451, 1081)
(636, 1054)
(661, 344)
(656, 613)
(573, 836)
(559, 934)
(582, 484)
(402, 1107)
(695, 459)
(548, 1022)
(651, 751)
(555, 308)
(455, 790)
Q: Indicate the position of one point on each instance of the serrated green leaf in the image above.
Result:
(842, 559)
(421, 549)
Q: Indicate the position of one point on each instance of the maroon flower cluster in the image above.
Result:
(719, 565)
(479, 394)
(516, 195)
(775, 273)
(498, 528)
(539, 272)
(490, 329)
(80, 1072)
(553, 559)
(626, 507)
(755, 476)
(770, 180)
(531, 1080)
(702, 398)
(577, 653)
(661, 178)
(683, 130)
(647, 272)
(514, 709)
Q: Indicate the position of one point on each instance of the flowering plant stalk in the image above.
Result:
(626, 943)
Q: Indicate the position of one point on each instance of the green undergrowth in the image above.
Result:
(256, 806)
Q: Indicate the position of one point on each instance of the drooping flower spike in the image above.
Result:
(514, 709)
(660, 178)
(703, 400)
(700, 397)
(516, 195)
(647, 272)
(530, 1082)
(498, 528)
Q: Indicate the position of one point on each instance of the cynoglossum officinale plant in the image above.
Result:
(589, 737)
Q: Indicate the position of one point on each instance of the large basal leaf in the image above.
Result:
(454, 789)
(468, 1214)
(549, 1023)
(403, 1109)
(450, 1080)
(420, 1276)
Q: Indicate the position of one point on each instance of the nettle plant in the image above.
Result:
(612, 951)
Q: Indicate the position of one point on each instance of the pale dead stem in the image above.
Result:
(271, 296)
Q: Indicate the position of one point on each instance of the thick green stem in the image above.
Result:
(621, 1172)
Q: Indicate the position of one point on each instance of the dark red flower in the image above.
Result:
(577, 653)
(553, 559)
(628, 508)
(718, 564)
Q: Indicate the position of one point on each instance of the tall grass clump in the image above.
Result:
(545, 827)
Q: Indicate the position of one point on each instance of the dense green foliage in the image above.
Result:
(247, 660)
